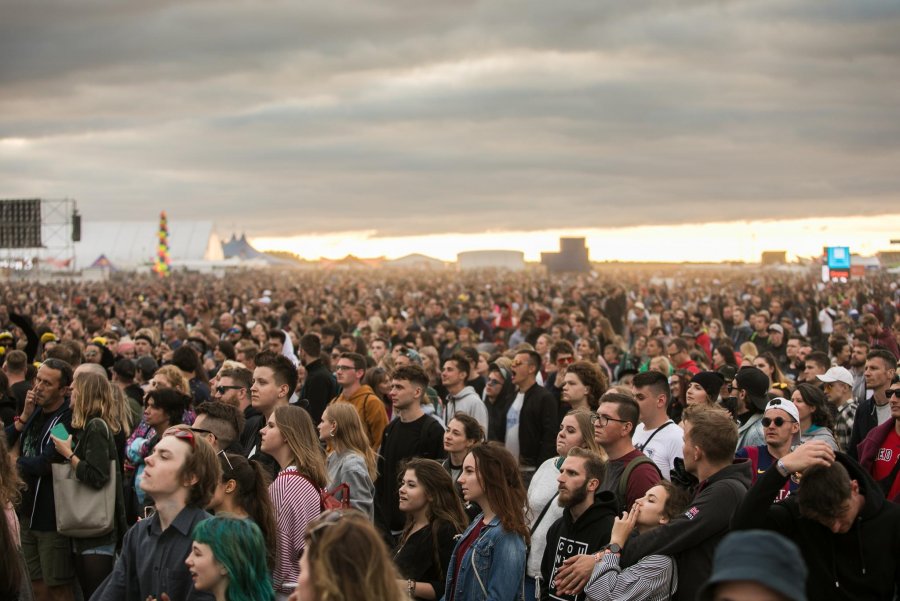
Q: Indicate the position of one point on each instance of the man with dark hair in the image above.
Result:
(181, 475)
(562, 354)
(741, 330)
(656, 347)
(656, 436)
(848, 533)
(123, 373)
(815, 364)
(879, 453)
(531, 420)
(234, 389)
(881, 367)
(187, 359)
(460, 397)
(378, 350)
(587, 519)
(680, 356)
(412, 434)
(320, 385)
(16, 368)
(274, 380)
(858, 355)
(792, 356)
(245, 353)
(749, 387)
(630, 473)
(476, 381)
(350, 369)
(47, 553)
(879, 336)
(221, 424)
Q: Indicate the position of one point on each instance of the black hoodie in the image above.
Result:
(860, 564)
(691, 538)
(568, 537)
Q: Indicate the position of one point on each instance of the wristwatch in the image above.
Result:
(614, 548)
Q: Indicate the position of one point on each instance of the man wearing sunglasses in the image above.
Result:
(879, 453)
(781, 427)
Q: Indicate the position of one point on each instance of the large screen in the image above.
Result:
(838, 257)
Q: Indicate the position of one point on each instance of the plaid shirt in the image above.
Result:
(843, 426)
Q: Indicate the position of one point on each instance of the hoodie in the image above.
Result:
(691, 538)
(371, 411)
(466, 401)
(859, 564)
(568, 537)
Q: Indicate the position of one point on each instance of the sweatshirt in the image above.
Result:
(568, 537)
(466, 401)
(371, 411)
(859, 564)
(691, 538)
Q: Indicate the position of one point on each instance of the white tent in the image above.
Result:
(129, 244)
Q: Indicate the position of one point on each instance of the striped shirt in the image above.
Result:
(651, 579)
(297, 503)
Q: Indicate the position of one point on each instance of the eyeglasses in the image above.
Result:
(223, 389)
(224, 456)
(561, 361)
(605, 419)
(768, 421)
(182, 434)
(345, 368)
(494, 382)
(892, 392)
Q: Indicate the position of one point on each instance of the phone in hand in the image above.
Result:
(60, 431)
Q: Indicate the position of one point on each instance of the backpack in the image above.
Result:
(336, 498)
(622, 488)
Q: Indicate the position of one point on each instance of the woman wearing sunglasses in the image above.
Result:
(329, 573)
(489, 559)
(781, 427)
(228, 560)
(289, 437)
(243, 492)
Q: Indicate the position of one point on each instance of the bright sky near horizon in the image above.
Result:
(711, 242)
(391, 127)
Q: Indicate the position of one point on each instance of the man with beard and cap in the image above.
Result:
(847, 532)
(838, 384)
(749, 387)
(587, 519)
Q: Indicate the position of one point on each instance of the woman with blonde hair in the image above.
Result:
(290, 437)
(99, 424)
(169, 376)
(576, 430)
(749, 352)
(329, 573)
(351, 459)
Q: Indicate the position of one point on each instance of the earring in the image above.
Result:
(331, 434)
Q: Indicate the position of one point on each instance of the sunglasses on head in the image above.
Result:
(224, 456)
(181, 434)
(768, 421)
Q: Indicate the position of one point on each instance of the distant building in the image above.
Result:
(572, 257)
(416, 261)
(491, 259)
(774, 257)
(889, 258)
(131, 244)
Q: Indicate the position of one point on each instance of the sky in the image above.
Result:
(656, 129)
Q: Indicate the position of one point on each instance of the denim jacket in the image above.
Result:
(499, 557)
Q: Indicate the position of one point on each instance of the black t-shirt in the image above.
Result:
(423, 437)
(422, 560)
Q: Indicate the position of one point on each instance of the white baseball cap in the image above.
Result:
(785, 405)
(838, 374)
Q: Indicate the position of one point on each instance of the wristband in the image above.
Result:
(411, 588)
(779, 465)
(69, 458)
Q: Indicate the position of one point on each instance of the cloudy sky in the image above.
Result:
(416, 118)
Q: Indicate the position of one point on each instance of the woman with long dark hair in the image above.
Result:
(434, 517)
(499, 536)
(816, 422)
(243, 493)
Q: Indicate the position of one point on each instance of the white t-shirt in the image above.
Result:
(512, 425)
(665, 446)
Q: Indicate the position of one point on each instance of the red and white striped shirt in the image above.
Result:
(297, 503)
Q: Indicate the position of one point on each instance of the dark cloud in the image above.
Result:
(421, 117)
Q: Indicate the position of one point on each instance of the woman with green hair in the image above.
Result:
(228, 559)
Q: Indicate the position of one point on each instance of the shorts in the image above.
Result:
(48, 557)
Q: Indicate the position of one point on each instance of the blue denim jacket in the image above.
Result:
(499, 559)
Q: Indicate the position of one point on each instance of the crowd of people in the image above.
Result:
(625, 434)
